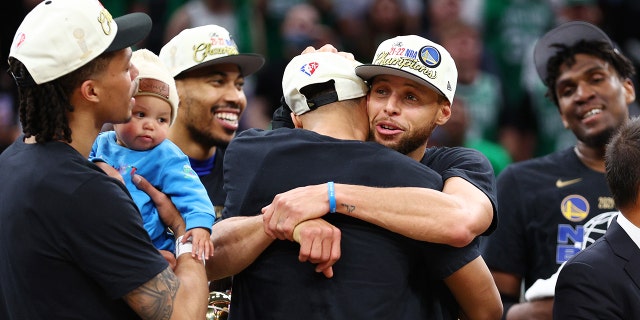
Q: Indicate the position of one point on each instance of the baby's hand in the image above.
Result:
(201, 242)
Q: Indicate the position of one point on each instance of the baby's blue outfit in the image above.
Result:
(167, 168)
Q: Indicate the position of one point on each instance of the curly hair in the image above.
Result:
(566, 56)
(43, 108)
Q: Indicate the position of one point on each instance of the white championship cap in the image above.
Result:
(154, 79)
(415, 58)
(204, 46)
(60, 36)
(316, 68)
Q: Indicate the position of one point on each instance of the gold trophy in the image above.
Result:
(218, 308)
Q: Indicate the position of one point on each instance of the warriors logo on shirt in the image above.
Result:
(574, 208)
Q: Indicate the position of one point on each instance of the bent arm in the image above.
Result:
(454, 216)
(238, 241)
(180, 295)
(475, 291)
(193, 293)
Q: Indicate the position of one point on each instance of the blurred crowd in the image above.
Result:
(500, 107)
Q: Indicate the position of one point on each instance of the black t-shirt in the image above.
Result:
(214, 182)
(544, 206)
(380, 274)
(72, 242)
(468, 164)
(474, 167)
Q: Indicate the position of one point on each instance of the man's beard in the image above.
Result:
(408, 143)
(600, 140)
(206, 139)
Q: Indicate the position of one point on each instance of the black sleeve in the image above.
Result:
(468, 164)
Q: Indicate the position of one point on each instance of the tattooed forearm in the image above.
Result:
(154, 299)
(348, 207)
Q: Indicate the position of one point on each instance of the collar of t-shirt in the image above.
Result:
(202, 167)
(631, 229)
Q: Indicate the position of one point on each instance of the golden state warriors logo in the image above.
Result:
(430, 56)
(574, 207)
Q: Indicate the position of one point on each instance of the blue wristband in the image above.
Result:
(332, 197)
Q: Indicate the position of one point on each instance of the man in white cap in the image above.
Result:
(406, 71)
(406, 75)
(73, 244)
(403, 71)
(210, 76)
(391, 275)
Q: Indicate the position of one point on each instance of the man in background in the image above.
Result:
(546, 202)
(210, 76)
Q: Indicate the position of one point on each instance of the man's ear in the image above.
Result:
(89, 91)
(629, 90)
(296, 122)
(565, 123)
(444, 113)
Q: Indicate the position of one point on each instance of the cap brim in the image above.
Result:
(249, 63)
(368, 71)
(132, 28)
(568, 34)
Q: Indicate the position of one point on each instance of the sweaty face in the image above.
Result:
(148, 126)
(211, 103)
(593, 100)
(404, 113)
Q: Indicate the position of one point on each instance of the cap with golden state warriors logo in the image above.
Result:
(415, 58)
(58, 37)
(204, 46)
(320, 68)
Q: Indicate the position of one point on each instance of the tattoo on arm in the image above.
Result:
(155, 298)
(348, 207)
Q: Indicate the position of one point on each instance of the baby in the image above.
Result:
(141, 146)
